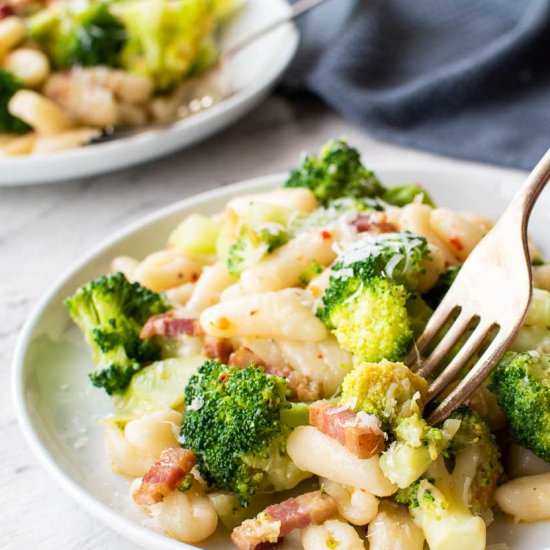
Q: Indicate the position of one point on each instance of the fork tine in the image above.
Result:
(438, 319)
(471, 381)
(459, 360)
(451, 337)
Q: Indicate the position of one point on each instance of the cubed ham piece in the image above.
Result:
(167, 324)
(373, 223)
(165, 475)
(302, 387)
(278, 520)
(218, 348)
(359, 432)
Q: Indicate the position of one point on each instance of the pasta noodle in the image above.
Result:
(331, 534)
(269, 315)
(335, 462)
(526, 498)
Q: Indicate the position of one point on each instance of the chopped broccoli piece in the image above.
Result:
(83, 33)
(233, 422)
(434, 296)
(390, 391)
(336, 172)
(167, 39)
(444, 503)
(111, 311)
(475, 444)
(314, 269)
(253, 244)
(393, 393)
(521, 382)
(365, 303)
(8, 86)
(438, 510)
(405, 194)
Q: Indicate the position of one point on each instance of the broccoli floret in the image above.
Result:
(111, 311)
(83, 33)
(365, 303)
(434, 296)
(8, 86)
(390, 391)
(446, 504)
(393, 393)
(521, 382)
(336, 172)
(405, 194)
(253, 244)
(233, 422)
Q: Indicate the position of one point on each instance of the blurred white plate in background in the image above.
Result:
(253, 72)
(59, 410)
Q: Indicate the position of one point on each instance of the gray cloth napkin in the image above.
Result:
(465, 78)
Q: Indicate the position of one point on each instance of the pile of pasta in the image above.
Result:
(270, 309)
(53, 108)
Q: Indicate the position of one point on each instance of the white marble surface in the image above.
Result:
(44, 228)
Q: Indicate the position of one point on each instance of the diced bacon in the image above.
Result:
(358, 432)
(278, 520)
(165, 475)
(243, 357)
(301, 386)
(218, 348)
(376, 223)
(167, 324)
(5, 10)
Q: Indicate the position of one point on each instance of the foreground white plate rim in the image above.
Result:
(128, 528)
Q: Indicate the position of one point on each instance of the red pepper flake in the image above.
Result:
(457, 243)
(253, 312)
(224, 377)
(326, 235)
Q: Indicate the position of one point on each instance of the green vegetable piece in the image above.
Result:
(336, 172)
(196, 235)
(434, 296)
(373, 280)
(8, 86)
(156, 387)
(83, 33)
(313, 270)
(111, 312)
(253, 245)
(233, 422)
(405, 194)
(521, 383)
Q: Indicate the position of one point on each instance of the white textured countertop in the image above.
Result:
(43, 229)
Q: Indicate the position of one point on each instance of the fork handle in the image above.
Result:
(522, 204)
(299, 8)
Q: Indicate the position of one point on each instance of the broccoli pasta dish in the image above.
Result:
(72, 68)
(258, 384)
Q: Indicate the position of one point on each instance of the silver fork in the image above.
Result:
(494, 288)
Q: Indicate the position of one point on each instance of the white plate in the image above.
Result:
(253, 72)
(59, 410)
